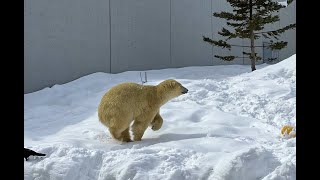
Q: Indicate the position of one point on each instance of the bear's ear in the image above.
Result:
(173, 84)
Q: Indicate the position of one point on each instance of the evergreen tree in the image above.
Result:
(248, 20)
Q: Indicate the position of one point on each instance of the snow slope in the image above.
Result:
(226, 127)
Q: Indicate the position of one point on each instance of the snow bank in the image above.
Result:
(251, 163)
(226, 127)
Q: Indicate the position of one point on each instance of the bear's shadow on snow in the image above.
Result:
(161, 139)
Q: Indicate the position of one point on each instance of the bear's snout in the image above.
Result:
(184, 90)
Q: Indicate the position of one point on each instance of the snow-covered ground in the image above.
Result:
(227, 127)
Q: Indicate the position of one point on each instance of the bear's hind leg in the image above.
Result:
(115, 133)
(120, 134)
(123, 136)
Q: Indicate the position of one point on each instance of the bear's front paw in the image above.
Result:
(127, 140)
(156, 125)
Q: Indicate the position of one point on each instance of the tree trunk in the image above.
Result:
(253, 54)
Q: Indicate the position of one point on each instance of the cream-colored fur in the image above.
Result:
(129, 102)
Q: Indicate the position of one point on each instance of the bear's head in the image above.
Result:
(172, 88)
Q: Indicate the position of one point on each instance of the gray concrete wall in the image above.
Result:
(140, 34)
(65, 40)
(190, 20)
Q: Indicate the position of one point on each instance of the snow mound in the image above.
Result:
(267, 94)
(249, 164)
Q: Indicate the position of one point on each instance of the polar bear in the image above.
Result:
(129, 102)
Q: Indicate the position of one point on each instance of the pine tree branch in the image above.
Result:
(226, 32)
(238, 4)
(262, 20)
(236, 24)
(226, 58)
(249, 54)
(258, 58)
(278, 45)
(223, 44)
(230, 16)
(271, 59)
(265, 36)
(219, 43)
(279, 31)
